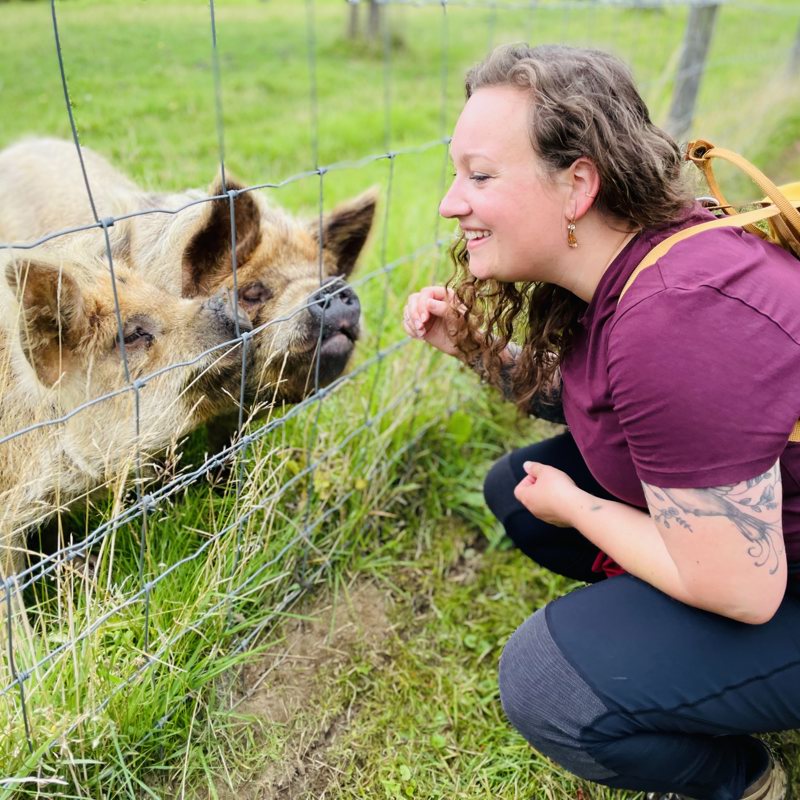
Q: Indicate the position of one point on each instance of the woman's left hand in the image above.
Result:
(548, 493)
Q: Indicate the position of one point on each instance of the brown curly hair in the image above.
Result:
(584, 104)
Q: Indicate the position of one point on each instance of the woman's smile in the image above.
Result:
(476, 238)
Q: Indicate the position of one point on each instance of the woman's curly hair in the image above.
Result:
(584, 103)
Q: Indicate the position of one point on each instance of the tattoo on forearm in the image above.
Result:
(753, 506)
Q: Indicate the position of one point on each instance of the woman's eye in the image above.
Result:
(479, 177)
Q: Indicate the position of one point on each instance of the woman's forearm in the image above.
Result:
(630, 537)
(719, 549)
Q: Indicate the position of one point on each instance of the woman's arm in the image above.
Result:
(719, 549)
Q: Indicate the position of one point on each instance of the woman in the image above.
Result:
(675, 477)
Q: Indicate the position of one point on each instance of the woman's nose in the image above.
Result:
(453, 204)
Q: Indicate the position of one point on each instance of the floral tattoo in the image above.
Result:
(752, 506)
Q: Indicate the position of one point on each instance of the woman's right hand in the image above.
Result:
(426, 317)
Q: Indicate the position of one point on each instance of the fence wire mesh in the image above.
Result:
(257, 521)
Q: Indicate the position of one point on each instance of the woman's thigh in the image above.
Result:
(661, 663)
(562, 550)
(623, 684)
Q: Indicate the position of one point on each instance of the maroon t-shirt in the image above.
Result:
(694, 380)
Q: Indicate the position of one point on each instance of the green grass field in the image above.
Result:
(203, 676)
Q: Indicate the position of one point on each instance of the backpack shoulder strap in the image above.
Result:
(701, 153)
(661, 249)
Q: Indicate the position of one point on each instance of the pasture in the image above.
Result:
(325, 619)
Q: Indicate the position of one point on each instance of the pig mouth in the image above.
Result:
(334, 343)
(338, 344)
(317, 363)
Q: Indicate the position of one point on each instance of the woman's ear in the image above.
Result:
(584, 186)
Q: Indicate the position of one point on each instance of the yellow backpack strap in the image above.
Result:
(701, 153)
(661, 249)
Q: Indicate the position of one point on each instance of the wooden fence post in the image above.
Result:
(692, 64)
(375, 21)
(352, 20)
(794, 58)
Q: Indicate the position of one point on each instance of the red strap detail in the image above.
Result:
(604, 563)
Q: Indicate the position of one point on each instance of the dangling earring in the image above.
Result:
(571, 240)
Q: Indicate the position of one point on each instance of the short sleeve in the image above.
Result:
(706, 388)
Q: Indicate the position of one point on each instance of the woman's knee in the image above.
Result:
(498, 489)
(546, 700)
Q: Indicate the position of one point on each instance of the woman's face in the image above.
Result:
(511, 213)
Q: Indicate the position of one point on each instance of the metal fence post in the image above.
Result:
(694, 52)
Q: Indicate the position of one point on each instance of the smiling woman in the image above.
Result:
(674, 491)
(508, 211)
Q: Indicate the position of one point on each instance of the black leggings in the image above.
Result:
(625, 686)
(561, 550)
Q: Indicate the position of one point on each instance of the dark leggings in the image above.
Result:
(623, 685)
(561, 550)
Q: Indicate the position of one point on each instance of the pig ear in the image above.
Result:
(53, 315)
(207, 258)
(346, 228)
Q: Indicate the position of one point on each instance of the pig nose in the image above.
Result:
(227, 313)
(336, 306)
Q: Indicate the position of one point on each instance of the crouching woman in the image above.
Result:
(674, 493)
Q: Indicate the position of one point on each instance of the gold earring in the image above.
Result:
(571, 240)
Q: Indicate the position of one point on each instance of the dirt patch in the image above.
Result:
(278, 687)
(288, 691)
(287, 687)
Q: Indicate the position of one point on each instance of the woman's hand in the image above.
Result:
(428, 316)
(549, 494)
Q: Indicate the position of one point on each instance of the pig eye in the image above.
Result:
(254, 293)
(138, 333)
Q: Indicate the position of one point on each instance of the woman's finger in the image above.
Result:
(434, 292)
(437, 307)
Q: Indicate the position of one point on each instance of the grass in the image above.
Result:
(133, 699)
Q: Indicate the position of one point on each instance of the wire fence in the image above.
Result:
(278, 526)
